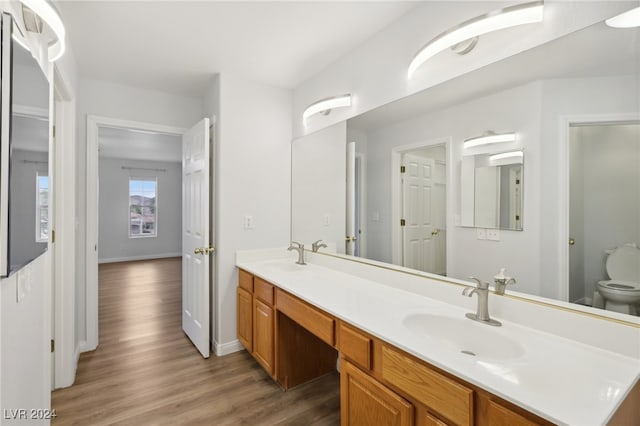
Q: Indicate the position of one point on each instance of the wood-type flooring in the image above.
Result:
(145, 371)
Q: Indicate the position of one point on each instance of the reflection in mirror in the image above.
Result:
(29, 162)
(491, 187)
(590, 75)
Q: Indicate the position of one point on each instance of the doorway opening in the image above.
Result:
(158, 197)
(604, 201)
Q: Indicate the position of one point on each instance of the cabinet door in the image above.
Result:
(365, 402)
(263, 334)
(245, 322)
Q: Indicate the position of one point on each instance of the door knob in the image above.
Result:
(434, 232)
(204, 250)
(572, 242)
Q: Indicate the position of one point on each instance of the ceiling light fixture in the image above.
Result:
(628, 19)
(489, 138)
(502, 156)
(50, 16)
(326, 105)
(462, 38)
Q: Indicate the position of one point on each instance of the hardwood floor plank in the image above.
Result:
(146, 371)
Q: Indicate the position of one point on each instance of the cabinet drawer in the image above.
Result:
(307, 316)
(497, 415)
(355, 345)
(245, 280)
(263, 290)
(441, 394)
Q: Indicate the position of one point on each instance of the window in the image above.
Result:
(142, 207)
(42, 208)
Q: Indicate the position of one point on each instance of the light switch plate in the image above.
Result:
(326, 220)
(493, 234)
(481, 233)
(248, 222)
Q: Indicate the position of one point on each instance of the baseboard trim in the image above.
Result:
(83, 346)
(222, 349)
(143, 257)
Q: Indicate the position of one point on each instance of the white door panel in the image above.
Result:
(417, 202)
(195, 235)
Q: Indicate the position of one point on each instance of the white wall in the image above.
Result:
(376, 72)
(253, 178)
(122, 102)
(115, 244)
(26, 330)
(318, 193)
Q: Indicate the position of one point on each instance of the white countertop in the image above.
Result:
(563, 381)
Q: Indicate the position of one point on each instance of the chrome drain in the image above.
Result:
(468, 353)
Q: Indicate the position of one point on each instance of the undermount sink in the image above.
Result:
(283, 266)
(464, 336)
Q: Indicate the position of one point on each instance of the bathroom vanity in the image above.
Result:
(406, 359)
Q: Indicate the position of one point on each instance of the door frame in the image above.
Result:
(94, 122)
(396, 193)
(565, 123)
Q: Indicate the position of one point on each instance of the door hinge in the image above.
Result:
(53, 345)
(53, 236)
(517, 217)
(403, 169)
(54, 132)
(517, 181)
(402, 222)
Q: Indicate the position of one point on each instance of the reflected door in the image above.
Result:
(417, 204)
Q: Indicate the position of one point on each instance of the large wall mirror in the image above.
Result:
(27, 162)
(406, 163)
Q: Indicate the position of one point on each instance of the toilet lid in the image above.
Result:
(624, 264)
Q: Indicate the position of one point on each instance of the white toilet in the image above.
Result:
(621, 293)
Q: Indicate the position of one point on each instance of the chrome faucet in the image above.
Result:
(482, 312)
(317, 246)
(300, 249)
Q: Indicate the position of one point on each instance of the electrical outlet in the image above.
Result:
(375, 217)
(493, 234)
(481, 233)
(326, 220)
(248, 222)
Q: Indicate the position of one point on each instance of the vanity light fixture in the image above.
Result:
(628, 19)
(463, 37)
(488, 138)
(326, 105)
(18, 39)
(49, 15)
(502, 156)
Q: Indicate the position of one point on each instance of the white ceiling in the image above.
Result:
(138, 145)
(175, 46)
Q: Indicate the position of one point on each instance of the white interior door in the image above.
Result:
(417, 205)
(351, 198)
(196, 248)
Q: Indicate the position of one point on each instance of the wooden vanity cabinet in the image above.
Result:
(245, 309)
(364, 401)
(256, 319)
(380, 384)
